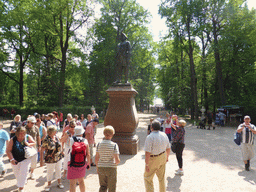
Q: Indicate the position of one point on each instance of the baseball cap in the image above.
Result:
(31, 119)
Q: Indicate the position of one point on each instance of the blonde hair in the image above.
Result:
(51, 129)
(69, 115)
(182, 123)
(18, 117)
(109, 130)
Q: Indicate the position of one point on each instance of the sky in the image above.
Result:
(157, 26)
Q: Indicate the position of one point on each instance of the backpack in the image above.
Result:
(78, 154)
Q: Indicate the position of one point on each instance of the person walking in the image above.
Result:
(33, 131)
(42, 133)
(247, 143)
(89, 135)
(4, 140)
(150, 126)
(167, 128)
(157, 150)
(53, 156)
(209, 117)
(107, 159)
(15, 124)
(179, 140)
(16, 154)
(66, 122)
(69, 132)
(79, 152)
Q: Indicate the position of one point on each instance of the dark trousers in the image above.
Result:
(180, 148)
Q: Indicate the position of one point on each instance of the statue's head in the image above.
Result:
(123, 37)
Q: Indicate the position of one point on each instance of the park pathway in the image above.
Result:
(212, 162)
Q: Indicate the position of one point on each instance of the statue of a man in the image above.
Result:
(123, 59)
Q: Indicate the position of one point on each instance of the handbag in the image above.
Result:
(174, 147)
(29, 152)
(237, 138)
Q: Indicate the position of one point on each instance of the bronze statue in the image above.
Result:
(123, 59)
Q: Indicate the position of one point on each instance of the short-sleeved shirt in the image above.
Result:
(178, 135)
(156, 143)
(34, 133)
(72, 142)
(106, 150)
(95, 115)
(84, 123)
(90, 130)
(41, 130)
(247, 134)
(16, 124)
(52, 150)
(4, 136)
(51, 122)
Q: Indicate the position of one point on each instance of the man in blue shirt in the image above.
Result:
(4, 139)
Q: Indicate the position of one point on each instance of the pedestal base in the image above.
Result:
(122, 115)
(127, 144)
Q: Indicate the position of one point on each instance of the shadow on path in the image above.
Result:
(216, 146)
(249, 176)
(173, 184)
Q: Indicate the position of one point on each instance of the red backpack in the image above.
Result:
(78, 154)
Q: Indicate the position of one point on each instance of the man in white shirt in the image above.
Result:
(247, 148)
(157, 150)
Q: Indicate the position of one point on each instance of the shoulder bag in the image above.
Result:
(29, 151)
(237, 138)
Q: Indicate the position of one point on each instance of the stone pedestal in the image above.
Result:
(122, 115)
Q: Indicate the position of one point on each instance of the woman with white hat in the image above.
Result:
(77, 168)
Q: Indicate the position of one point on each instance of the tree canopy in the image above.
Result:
(59, 52)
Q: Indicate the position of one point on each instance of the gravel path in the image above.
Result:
(212, 162)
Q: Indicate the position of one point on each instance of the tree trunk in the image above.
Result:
(62, 78)
(204, 79)
(194, 106)
(21, 82)
(218, 64)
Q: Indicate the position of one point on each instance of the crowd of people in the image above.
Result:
(36, 140)
(72, 152)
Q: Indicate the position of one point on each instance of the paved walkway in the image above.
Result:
(212, 162)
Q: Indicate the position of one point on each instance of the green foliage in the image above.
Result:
(129, 17)
(220, 28)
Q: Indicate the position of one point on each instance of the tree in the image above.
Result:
(16, 31)
(180, 18)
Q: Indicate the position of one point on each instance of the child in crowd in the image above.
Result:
(107, 159)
